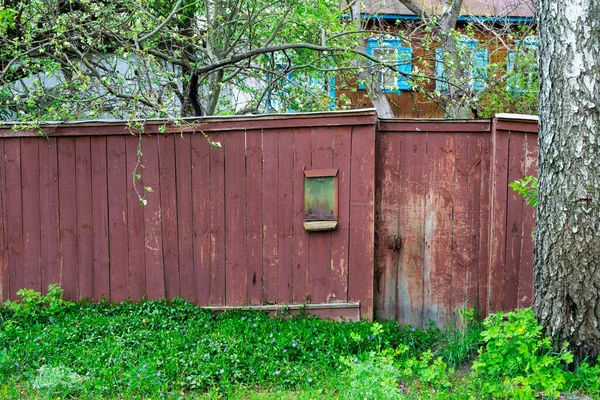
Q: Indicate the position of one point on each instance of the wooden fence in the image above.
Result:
(424, 201)
(221, 227)
(450, 233)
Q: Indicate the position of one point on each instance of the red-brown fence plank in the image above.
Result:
(285, 240)
(388, 190)
(438, 227)
(514, 221)
(525, 292)
(498, 185)
(320, 242)
(362, 192)
(484, 147)
(254, 217)
(31, 213)
(14, 223)
(99, 184)
(412, 186)
(235, 219)
(475, 204)
(342, 146)
(135, 220)
(155, 274)
(302, 160)
(85, 253)
(4, 267)
(117, 217)
(271, 215)
(217, 221)
(168, 205)
(67, 197)
(462, 254)
(201, 172)
(185, 227)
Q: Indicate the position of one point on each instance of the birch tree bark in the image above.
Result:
(567, 244)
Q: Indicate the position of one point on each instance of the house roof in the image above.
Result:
(470, 8)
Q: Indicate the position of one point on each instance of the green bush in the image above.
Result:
(517, 359)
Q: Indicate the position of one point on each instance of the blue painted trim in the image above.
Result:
(400, 17)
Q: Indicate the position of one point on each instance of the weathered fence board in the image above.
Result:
(442, 187)
(221, 227)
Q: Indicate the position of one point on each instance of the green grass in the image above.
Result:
(50, 348)
(156, 347)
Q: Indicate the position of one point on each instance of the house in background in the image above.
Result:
(496, 36)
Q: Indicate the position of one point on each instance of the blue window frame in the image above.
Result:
(390, 51)
(523, 58)
(478, 61)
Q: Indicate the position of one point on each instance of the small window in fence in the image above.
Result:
(320, 199)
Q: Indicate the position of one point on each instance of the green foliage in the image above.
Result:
(374, 377)
(461, 338)
(132, 59)
(174, 349)
(586, 379)
(131, 349)
(527, 187)
(517, 359)
(34, 305)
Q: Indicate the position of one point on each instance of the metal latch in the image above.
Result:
(395, 243)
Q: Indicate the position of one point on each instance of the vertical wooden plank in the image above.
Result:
(254, 217)
(4, 275)
(14, 223)
(100, 218)
(302, 161)
(514, 221)
(155, 274)
(285, 242)
(412, 187)
(183, 159)
(320, 242)
(499, 185)
(342, 145)
(235, 219)
(362, 199)
(217, 221)
(438, 227)
(271, 215)
(484, 147)
(168, 204)
(388, 190)
(117, 217)
(135, 219)
(474, 184)
(463, 255)
(525, 292)
(201, 171)
(85, 250)
(31, 213)
(3, 239)
(67, 197)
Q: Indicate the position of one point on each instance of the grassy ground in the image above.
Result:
(50, 348)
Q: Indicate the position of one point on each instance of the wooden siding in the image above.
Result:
(221, 227)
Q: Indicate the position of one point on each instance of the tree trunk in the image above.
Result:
(567, 244)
